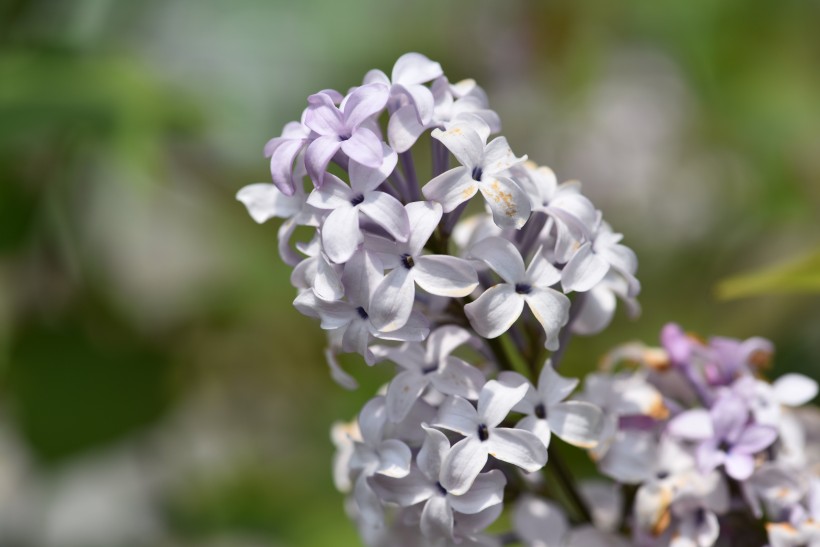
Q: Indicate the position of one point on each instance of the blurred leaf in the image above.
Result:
(798, 276)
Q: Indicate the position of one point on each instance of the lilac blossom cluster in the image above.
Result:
(474, 302)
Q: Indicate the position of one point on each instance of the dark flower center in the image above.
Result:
(483, 432)
(523, 288)
(477, 173)
(362, 313)
(407, 261)
(540, 411)
(429, 368)
(441, 489)
(343, 137)
(357, 199)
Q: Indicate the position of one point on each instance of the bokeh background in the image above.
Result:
(156, 386)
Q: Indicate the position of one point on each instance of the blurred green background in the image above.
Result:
(156, 385)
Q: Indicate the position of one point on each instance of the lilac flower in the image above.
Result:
(593, 259)
(430, 366)
(577, 422)
(600, 303)
(341, 234)
(485, 168)
(282, 152)
(542, 523)
(483, 437)
(423, 485)
(344, 128)
(494, 312)
(726, 435)
(766, 400)
(405, 84)
(442, 275)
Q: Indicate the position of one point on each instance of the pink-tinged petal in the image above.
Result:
(356, 337)
(456, 414)
(403, 391)
(455, 377)
(709, 457)
(692, 425)
(392, 300)
(496, 400)
(365, 179)
(518, 447)
(487, 490)
(584, 270)
(424, 216)
(538, 427)
(794, 389)
(498, 157)
(540, 522)
(502, 256)
(509, 204)
(576, 422)
(462, 464)
(464, 142)
(551, 309)
(341, 235)
(445, 275)
(596, 313)
(420, 97)
(281, 164)
(437, 519)
(394, 459)
(754, 439)
(318, 156)
(339, 375)
(410, 490)
(404, 128)
(265, 201)
(495, 311)
(372, 420)
(540, 272)
(739, 466)
(443, 341)
(415, 68)
(333, 194)
(324, 119)
(552, 387)
(365, 102)
(451, 188)
(432, 453)
(364, 147)
(387, 212)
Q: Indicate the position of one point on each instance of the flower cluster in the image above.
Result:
(474, 302)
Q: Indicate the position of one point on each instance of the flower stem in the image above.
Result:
(564, 476)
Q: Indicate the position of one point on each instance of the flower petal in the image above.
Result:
(509, 204)
(437, 519)
(540, 522)
(451, 188)
(496, 400)
(424, 216)
(364, 102)
(499, 157)
(692, 425)
(265, 201)
(394, 459)
(552, 387)
(364, 179)
(464, 142)
(372, 419)
(333, 194)
(323, 117)
(403, 391)
(415, 68)
(576, 422)
(364, 147)
(739, 466)
(432, 452)
(318, 156)
(494, 312)
(538, 427)
(420, 97)
(404, 128)
(341, 235)
(462, 464)
(455, 377)
(596, 313)
(456, 414)
(794, 389)
(281, 164)
(410, 490)
(387, 212)
(392, 300)
(443, 341)
(487, 490)
(584, 270)
(551, 309)
(445, 275)
(502, 256)
(754, 439)
(518, 447)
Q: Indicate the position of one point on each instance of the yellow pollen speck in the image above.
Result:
(504, 199)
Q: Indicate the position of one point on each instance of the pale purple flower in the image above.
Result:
(282, 152)
(341, 233)
(577, 422)
(344, 128)
(430, 365)
(485, 168)
(494, 312)
(542, 523)
(593, 259)
(423, 486)
(600, 303)
(766, 400)
(442, 275)
(483, 437)
(405, 84)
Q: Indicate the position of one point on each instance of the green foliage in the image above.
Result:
(801, 276)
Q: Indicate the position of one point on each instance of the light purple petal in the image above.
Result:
(464, 142)
(318, 156)
(356, 337)
(283, 235)
(424, 216)
(376, 76)
(729, 416)
(443, 341)
(509, 204)
(387, 212)
(333, 314)
(692, 425)
(455, 377)
(596, 313)
(437, 519)
(538, 427)
(341, 235)
(551, 309)
(365, 179)
(754, 439)
(432, 453)
(324, 119)
(366, 101)
(403, 391)
(456, 414)
(404, 128)
(552, 387)
(332, 195)
(445, 275)
(364, 147)
(496, 400)
(372, 419)
(265, 201)
(540, 272)
(393, 300)
(576, 422)
(709, 456)
(394, 459)
(415, 68)
(495, 311)
(518, 447)
(502, 256)
(361, 275)
(281, 164)
(487, 490)
(451, 188)
(326, 284)
(462, 464)
(541, 521)
(420, 97)
(407, 491)
(584, 270)
(338, 373)
(498, 157)
(739, 466)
